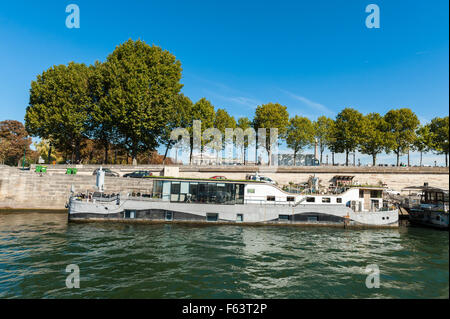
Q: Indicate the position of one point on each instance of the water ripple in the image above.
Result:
(185, 261)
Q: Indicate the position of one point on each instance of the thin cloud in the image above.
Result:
(309, 103)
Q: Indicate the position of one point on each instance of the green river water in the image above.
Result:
(212, 261)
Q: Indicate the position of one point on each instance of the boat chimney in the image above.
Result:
(100, 182)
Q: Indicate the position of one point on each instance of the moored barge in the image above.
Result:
(234, 202)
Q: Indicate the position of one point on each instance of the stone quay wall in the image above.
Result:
(50, 190)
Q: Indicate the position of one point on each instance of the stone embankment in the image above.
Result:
(50, 190)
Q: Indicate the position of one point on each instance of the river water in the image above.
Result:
(212, 261)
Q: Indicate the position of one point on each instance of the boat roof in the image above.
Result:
(209, 180)
(424, 188)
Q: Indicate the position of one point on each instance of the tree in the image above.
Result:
(401, 127)
(347, 131)
(244, 124)
(180, 118)
(374, 138)
(332, 142)
(43, 149)
(424, 140)
(439, 128)
(140, 84)
(58, 107)
(101, 125)
(203, 111)
(271, 115)
(300, 134)
(223, 121)
(14, 142)
(322, 128)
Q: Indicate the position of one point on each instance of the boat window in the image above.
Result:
(175, 192)
(240, 193)
(338, 200)
(130, 213)
(283, 217)
(250, 190)
(270, 198)
(312, 218)
(166, 191)
(375, 194)
(212, 217)
(290, 199)
(361, 193)
(239, 217)
(310, 199)
(169, 216)
(326, 200)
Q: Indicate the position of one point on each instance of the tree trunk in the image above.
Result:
(398, 158)
(165, 154)
(190, 155)
(332, 158)
(408, 157)
(446, 159)
(374, 159)
(106, 152)
(346, 157)
(321, 153)
(49, 155)
(421, 158)
(295, 157)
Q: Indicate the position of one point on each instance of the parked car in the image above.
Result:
(107, 171)
(138, 174)
(218, 177)
(260, 178)
(392, 192)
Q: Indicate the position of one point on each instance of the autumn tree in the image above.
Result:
(14, 142)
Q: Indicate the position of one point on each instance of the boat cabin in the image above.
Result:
(231, 192)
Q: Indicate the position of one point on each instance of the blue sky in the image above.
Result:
(315, 57)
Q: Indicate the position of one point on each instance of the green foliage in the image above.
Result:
(322, 132)
(347, 131)
(401, 128)
(439, 129)
(300, 133)
(140, 84)
(374, 137)
(271, 115)
(59, 104)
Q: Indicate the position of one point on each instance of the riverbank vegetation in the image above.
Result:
(121, 110)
